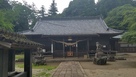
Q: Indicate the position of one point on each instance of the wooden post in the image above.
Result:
(28, 62)
(3, 63)
(77, 50)
(87, 47)
(63, 50)
(52, 49)
(11, 60)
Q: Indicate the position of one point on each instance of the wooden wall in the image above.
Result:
(82, 49)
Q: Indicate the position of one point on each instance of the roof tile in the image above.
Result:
(80, 26)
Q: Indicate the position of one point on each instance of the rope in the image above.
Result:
(66, 43)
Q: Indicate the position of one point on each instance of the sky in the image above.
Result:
(61, 4)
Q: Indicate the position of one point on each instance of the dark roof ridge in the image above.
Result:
(109, 28)
(105, 25)
(72, 18)
(36, 25)
(122, 31)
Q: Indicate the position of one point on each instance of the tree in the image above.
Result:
(53, 9)
(129, 37)
(25, 16)
(122, 17)
(42, 12)
(104, 6)
(4, 4)
(80, 8)
(6, 15)
(6, 19)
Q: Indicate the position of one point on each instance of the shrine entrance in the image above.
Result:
(70, 50)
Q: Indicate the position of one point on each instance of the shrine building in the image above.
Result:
(72, 37)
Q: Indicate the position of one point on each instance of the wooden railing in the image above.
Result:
(17, 74)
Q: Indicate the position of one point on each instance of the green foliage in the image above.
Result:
(19, 18)
(26, 17)
(133, 27)
(6, 20)
(129, 37)
(104, 6)
(4, 4)
(6, 16)
(122, 17)
(89, 8)
(80, 8)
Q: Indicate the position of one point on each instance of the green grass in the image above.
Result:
(20, 56)
(48, 67)
(20, 65)
(43, 74)
(45, 68)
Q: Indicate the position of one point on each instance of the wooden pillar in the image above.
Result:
(87, 47)
(3, 63)
(28, 62)
(52, 47)
(11, 60)
(64, 50)
(77, 54)
(52, 51)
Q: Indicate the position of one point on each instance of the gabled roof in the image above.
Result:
(71, 26)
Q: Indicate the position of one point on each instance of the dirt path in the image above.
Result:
(124, 68)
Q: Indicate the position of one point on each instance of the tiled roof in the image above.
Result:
(71, 26)
(14, 40)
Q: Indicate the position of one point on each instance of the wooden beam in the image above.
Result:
(28, 62)
(3, 63)
(5, 44)
(15, 46)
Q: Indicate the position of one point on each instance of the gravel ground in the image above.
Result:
(119, 68)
